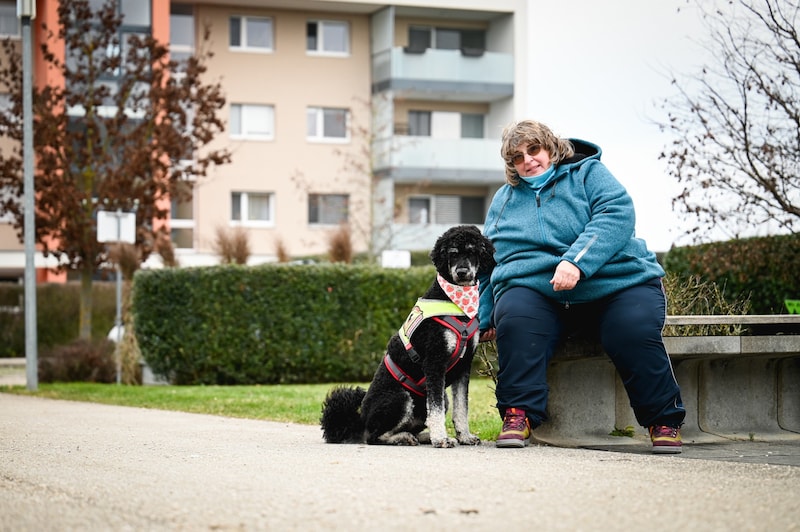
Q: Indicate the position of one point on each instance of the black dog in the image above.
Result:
(433, 350)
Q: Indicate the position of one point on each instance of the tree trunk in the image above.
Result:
(85, 322)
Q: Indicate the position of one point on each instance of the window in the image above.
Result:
(252, 121)
(423, 37)
(419, 123)
(445, 125)
(9, 23)
(446, 209)
(419, 39)
(181, 223)
(328, 36)
(419, 210)
(447, 39)
(324, 123)
(251, 33)
(471, 126)
(136, 12)
(181, 31)
(252, 208)
(327, 208)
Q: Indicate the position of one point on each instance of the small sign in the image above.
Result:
(116, 226)
(396, 258)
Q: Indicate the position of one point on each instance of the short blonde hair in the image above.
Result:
(531, 132)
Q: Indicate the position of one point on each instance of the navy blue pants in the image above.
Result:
(628, 325)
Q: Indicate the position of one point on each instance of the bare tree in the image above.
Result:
(736, 122)
(124, 130)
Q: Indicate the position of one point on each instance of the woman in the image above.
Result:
(567, 259)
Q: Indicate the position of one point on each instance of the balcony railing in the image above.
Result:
(451, 74)
(465, 160)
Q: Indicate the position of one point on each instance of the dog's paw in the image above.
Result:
(469, 439)
(443, 443)
(400, 438)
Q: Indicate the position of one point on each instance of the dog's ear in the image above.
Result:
(438, 254)
(486, 256)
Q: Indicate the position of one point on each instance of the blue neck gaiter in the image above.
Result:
(537, 182)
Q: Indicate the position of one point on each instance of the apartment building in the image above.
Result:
(381, 117)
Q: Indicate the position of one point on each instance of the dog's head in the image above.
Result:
(461, 253)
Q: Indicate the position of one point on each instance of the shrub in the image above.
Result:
(763, 269)
(272, 323)
(56, 317)
(693, 296)
(80, 360)
(340, 245)
(232, 245)
(166, 250)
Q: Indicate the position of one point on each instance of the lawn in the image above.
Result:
(294, 403)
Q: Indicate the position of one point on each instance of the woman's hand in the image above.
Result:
(488, 335)
(566, 277)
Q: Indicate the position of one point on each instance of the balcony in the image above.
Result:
(452, 75)
(441, 161)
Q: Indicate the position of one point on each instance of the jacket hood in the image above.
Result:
(584, 151)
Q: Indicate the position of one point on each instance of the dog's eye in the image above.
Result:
(452, 251)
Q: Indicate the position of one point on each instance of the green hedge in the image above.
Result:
(56, 315)
(764, 269)
(273, 323)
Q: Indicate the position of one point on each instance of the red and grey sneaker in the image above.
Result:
(666, 440)
(516, 429)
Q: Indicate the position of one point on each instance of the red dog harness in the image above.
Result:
(463, 331)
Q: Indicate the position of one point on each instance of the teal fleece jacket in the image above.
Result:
(583, 215)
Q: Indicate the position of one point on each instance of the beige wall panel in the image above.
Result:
(8, 238)
(289, 165)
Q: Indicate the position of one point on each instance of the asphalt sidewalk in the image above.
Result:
(82, 466)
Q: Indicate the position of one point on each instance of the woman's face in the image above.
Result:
(530, 160)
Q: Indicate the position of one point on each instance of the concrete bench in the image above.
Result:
(733, 387)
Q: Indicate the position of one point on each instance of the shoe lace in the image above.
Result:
(514, 421)
(665, 431)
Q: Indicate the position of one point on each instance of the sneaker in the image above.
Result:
(666, 440)
(516, 429)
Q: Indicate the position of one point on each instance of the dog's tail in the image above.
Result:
(341, 415)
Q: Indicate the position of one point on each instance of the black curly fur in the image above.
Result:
(387, 413)
(341, 421)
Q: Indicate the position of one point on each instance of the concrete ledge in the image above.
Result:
(733, 388)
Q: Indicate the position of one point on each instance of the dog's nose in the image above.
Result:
(463, 274)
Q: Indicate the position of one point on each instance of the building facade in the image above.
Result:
(381, 117)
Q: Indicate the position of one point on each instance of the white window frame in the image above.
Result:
(319, 124)
(243, 46)
(249, 125)
(244, 210)
(321, 50)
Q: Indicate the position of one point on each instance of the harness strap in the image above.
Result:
(417, 387)
(464, 332)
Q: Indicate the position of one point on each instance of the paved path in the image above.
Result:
(80, 466)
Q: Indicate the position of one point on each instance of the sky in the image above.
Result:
(605, 71)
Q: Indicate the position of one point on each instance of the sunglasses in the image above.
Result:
(533, 150)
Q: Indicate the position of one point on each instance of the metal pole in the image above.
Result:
(118, 320)
(31, 355)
